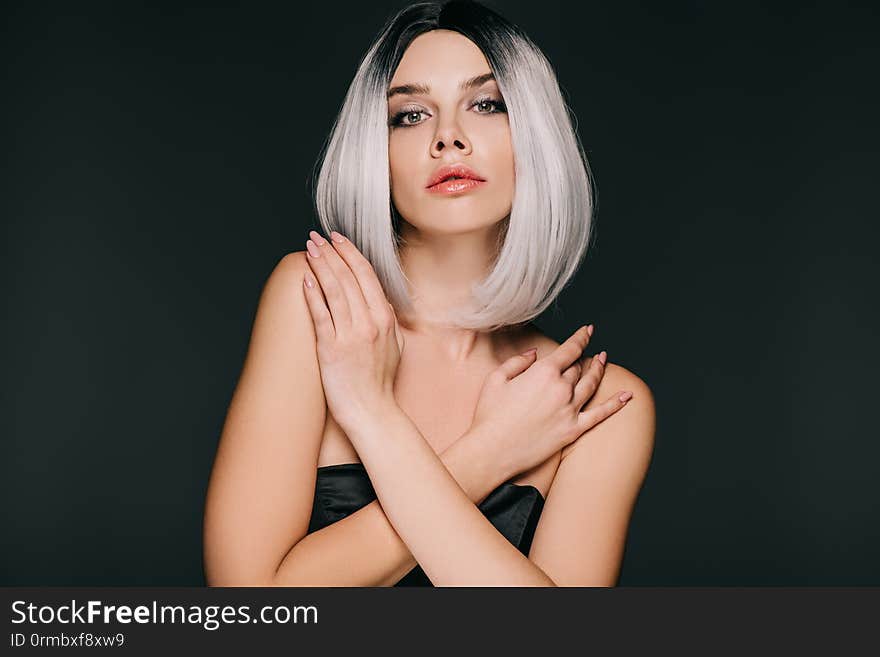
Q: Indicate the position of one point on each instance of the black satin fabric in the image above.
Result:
(342, 489)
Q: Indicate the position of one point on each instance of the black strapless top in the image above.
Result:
(342, 489)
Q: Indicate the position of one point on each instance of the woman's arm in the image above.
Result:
(363, 549)
(455, 544)
(259, 497)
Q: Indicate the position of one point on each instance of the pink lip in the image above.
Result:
(457, 170)
(456, 186)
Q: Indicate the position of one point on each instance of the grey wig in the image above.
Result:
(548, 230)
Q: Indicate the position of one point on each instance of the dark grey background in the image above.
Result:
(157, 166)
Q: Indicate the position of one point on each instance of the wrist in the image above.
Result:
(367, 416)
(474, 461)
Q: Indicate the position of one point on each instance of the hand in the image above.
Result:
(359, 341)
(532, 410)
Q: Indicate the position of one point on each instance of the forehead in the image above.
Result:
(442, 58)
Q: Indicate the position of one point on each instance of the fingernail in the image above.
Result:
(625, 396)
(603, 356)
(320, 241)
(528, 352)
(314, 251)
(590, 330)
(336, 237)
(309, 281)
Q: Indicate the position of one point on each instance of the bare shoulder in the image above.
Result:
(282, 319)
(632, 427)
(617, 377)
(290, 268)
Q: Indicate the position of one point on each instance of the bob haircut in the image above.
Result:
(545, 237)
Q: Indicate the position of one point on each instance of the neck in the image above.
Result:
(441, 269)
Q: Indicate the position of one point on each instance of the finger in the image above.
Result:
(589, 382)
(370, 285)
(570, 350)
(590, 418)
(573, 373)
(317, 308)
(337, 301)
(360, 311)
(518, 364)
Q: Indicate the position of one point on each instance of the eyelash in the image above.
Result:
(397, 119)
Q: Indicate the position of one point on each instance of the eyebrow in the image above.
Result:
(422, 89)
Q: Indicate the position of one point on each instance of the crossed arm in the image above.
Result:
(579, 540)
(260, 494)
(364, 549)
(455, 544)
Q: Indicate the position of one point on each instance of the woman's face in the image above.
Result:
(448, 125)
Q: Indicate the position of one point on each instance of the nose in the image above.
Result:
(450, 135)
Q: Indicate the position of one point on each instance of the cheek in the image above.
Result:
(498, 142)
(502, 157)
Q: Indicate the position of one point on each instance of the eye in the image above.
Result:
(496, 105)
(405, 113)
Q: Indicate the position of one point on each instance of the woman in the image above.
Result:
(389, 426)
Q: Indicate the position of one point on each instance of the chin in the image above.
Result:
(449, 225)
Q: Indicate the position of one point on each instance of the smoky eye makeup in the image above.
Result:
(493, 103)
